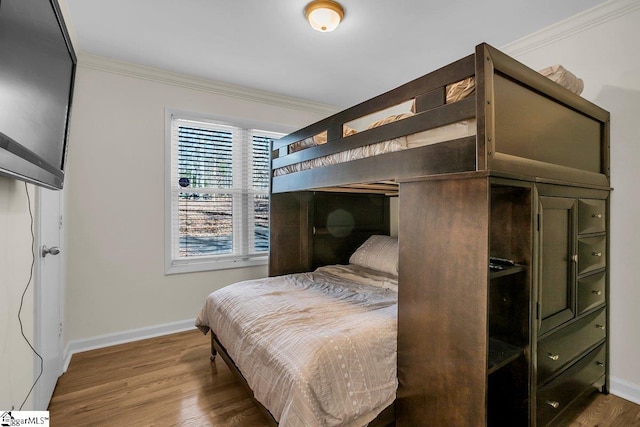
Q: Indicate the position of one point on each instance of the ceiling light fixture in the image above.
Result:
(324, 15)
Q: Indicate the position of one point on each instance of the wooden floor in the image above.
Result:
(165, 381)
(169, 381)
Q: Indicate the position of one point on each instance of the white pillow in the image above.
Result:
(378, 253)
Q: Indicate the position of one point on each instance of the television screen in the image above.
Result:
(37, 69)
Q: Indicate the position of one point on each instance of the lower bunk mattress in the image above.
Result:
(318, 348)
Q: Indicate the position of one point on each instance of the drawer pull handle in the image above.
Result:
(553, 403)
(596, 216)
(600, 327)
(600, 364)
(553, 356)
(596, 292)
(596, 253)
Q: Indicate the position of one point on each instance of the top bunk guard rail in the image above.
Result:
(526, 126)
(440, 116)
(435, 80)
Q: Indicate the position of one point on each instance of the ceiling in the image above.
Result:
(268, 45)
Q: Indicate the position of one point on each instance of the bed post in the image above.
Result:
(290, 232)
(485, 138)
(214, 353)
(442, 301)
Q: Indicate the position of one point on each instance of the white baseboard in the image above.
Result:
(625, 390)
(101, 341)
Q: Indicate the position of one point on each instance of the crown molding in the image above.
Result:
(110, 65)
(593, 17)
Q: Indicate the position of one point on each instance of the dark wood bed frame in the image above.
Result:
(526, 125)
(460, 202)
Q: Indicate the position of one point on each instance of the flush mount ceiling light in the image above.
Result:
(324, 15)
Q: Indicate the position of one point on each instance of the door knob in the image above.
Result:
(54, 250)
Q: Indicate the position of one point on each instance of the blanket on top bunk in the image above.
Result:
(316, 348)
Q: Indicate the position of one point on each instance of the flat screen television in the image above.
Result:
(37, 71)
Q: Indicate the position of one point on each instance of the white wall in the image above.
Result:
(601, 47)
(16, 358)
(115, 196)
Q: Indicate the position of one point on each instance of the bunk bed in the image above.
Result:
(488, 160)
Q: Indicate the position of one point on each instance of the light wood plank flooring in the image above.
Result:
(169, 381)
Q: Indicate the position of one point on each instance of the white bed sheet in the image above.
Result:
(317, 349)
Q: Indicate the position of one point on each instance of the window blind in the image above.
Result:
(261, 173)
(219, 191)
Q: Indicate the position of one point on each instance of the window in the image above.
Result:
(218, 194)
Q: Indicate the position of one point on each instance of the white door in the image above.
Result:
(48, 295)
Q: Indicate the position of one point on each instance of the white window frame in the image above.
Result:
(175, 265)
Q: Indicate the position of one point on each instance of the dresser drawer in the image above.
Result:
(561, 348)
(591, 291)
(591, 216)
(592, 253)
(554, 397)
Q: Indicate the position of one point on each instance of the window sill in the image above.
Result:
(192, 266)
